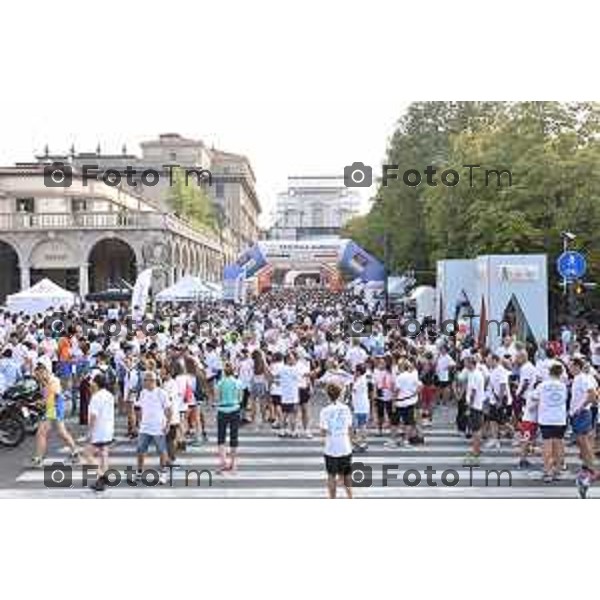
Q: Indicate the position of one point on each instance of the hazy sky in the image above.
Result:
(280, 138)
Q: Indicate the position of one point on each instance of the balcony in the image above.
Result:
(127, 220)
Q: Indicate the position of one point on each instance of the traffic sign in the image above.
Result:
(571, 265)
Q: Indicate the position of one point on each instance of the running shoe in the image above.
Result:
(547, 478)
(37, 462)
(524, 464)
(390, 445)
(75, 458)
(583, 483)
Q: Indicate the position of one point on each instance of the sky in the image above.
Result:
(279, 137)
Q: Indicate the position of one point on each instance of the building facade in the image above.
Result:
(231, 185)
(313, 207)
(91, 237)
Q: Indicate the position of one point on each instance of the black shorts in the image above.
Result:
(475, 419)
(406, 415)
(499, 413)
(338, 465)
(443, 384)
(101, 444)
(553, 432)
(304, 395)
(384, 407)
(276, 399)
(288, 407)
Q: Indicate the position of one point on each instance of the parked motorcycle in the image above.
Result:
(26, 395)
(12, 424)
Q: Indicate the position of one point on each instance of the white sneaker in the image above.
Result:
(162, 478)
(492, 445)
(308, 434)
(390, 444)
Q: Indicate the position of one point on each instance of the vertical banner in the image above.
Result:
(139, 295)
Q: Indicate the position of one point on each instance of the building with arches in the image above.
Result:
(87, 238)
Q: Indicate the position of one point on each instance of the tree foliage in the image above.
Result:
(553, 152)
(189, 201)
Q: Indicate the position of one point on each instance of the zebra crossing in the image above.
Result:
(273, 467)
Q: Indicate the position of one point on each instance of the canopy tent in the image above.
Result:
(216, 288)
(40, 297)
(187, 289)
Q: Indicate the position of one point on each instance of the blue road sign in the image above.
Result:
(571, 265)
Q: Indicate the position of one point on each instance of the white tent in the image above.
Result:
(215, 288)
(40, 297)
(187, 289)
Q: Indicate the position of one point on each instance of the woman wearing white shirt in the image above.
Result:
(551, 396)
(360, 407)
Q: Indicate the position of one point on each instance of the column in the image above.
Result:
(84, 284)
(25, 277)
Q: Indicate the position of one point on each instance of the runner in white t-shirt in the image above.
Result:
(155, 418)
(101, 428)
(360, 407)
(289, 386)
(500, 400)
(551, 396)
(475, 398)
(336, 426)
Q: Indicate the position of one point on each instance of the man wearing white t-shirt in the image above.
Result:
(155, 409)
(475, 398)
(336, 426)
(500, 399)
(583, 395)
(444, 366)
(406, 390)
(289, 385)
(101, 428)
(356, 355)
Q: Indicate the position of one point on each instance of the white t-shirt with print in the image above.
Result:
(153, 404)
(360, 395)
(102, 406)
(552, 407)
(476, 384)
(336, 421)
(289, 384)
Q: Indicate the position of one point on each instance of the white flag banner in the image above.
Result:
(139, 295)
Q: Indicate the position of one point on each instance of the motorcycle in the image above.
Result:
(12, 426)
(26, 395)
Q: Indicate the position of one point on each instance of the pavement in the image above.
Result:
(271, 467)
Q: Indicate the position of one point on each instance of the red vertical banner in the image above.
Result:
(482, 324)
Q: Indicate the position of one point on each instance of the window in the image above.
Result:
(220, 189)
(172, 156)
(25, 205)
(79, 205)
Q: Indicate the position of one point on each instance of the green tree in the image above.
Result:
(189, 201)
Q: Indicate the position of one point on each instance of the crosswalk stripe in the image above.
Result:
(297, 492)
(273, 467)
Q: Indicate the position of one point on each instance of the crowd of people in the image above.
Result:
(295, 363)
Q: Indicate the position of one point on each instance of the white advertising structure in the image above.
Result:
(491, 285)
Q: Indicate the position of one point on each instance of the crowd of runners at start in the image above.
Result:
(292, 362)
